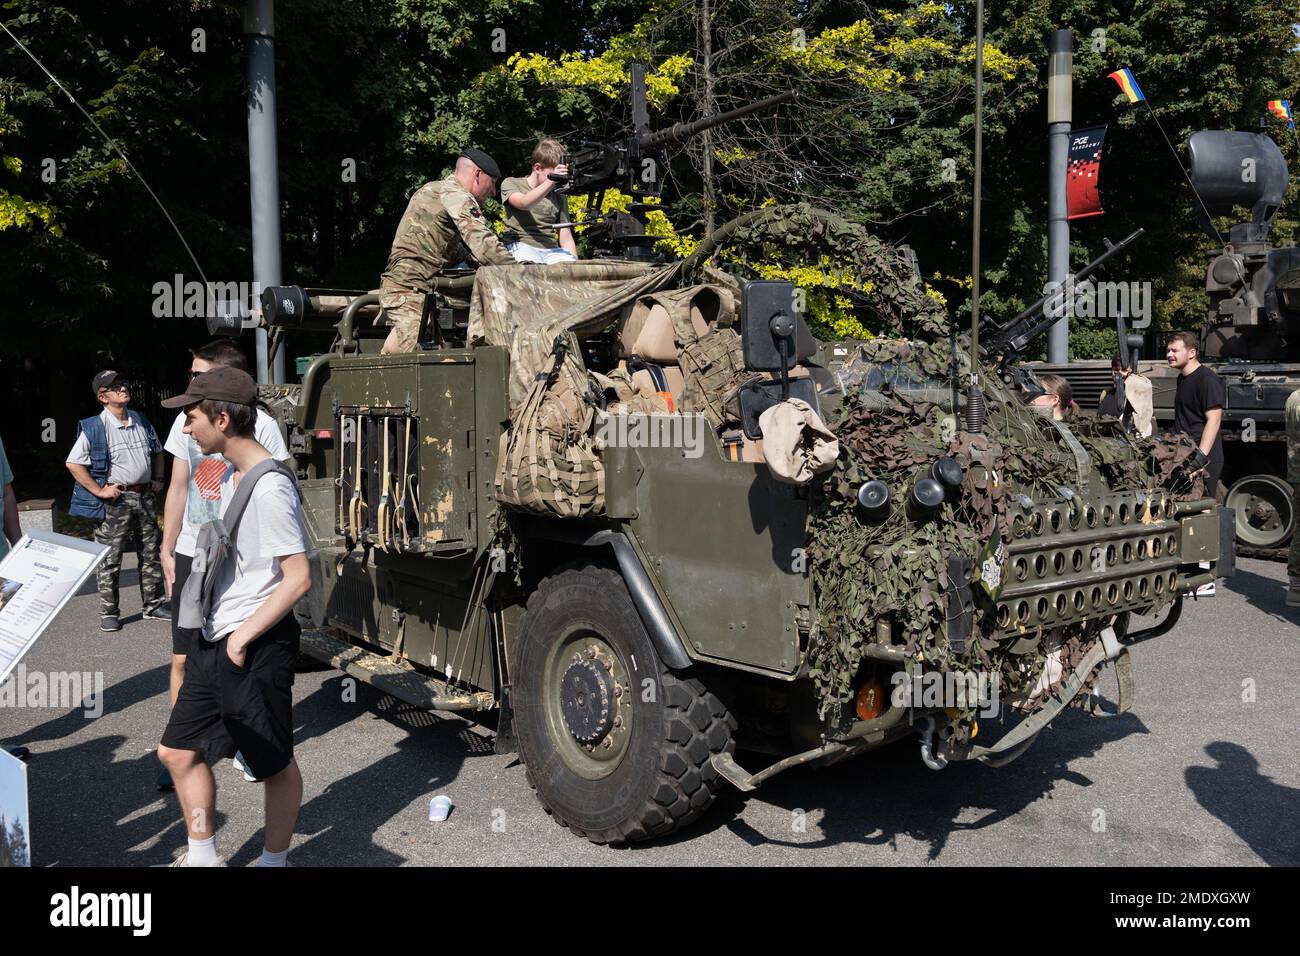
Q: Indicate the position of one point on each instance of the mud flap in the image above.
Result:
(1099, 706)
(505, 742)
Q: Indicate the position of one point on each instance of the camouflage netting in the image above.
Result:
(885, 276)
(891, 428)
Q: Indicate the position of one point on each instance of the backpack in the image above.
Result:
(215, 544)
(548, 461)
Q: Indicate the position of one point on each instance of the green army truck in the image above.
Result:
(560, 509)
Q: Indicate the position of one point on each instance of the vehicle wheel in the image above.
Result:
(616, 746)
(1265, 510)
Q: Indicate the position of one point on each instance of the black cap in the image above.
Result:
(219, 385)
(484, 162)
(105, 379)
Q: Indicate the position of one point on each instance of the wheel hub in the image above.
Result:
(587, 700)
(1265, 513)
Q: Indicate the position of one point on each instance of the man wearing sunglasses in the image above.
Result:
(117, 463)
(443, 226)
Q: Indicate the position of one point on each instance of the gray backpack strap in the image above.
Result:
(245, 491)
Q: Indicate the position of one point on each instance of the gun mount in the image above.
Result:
(636, 165)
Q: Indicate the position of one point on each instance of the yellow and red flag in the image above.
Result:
(1282, 110)
(1128, 84)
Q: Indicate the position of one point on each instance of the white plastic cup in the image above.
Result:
(439, 808)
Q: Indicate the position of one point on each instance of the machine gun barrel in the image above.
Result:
(682, 131)
(1010, 338)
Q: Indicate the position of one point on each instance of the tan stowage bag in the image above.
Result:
(548, 462)
(796, 442)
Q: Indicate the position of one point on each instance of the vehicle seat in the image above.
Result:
(647, 341)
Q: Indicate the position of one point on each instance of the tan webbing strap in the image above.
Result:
(403, 484)
(385, 501)
(1127, 690)
(358, 504)
(343, 470)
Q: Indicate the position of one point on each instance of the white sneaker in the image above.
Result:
(183, 860)
(1205, 590)
(242, 767)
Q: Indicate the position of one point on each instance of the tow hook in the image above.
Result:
(928, 756)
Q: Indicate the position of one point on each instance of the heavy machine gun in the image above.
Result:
(636, 165)
(1005, 342)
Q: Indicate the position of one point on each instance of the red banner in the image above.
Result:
(1082, 198)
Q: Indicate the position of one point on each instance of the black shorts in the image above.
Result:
(222, 708)
(180, 635)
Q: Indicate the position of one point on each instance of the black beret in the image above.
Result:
(483, 161)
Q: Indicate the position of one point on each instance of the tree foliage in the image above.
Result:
(393, 89)
(14, 850)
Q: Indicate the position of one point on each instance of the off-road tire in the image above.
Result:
(664, 780)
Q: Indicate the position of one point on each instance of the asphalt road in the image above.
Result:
(1204, 771)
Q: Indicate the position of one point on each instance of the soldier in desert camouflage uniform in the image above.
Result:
(443, 225)
(1293, 476)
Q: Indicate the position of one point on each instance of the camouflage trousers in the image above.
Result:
(139, 509)
(404, 311)
(1293, 559)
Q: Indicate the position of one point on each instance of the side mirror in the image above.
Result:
(774, 338)
(773, 334)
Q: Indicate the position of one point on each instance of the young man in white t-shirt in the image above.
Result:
(194, 496)
(237, 693)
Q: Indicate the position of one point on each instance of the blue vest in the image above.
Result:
(84, 504)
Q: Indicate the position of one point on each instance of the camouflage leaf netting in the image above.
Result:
(884, 277)
(892, 425)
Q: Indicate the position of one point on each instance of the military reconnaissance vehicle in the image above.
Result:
(1250, 336)
(579, 504)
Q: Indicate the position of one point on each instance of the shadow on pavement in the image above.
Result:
(1262, 593)
(1260, 811)
(117, 698)
(337, 827)
(81, 800)
(878, 797)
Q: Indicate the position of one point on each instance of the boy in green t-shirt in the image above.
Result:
(533, 209)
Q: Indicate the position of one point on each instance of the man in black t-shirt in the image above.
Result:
(1198, 406)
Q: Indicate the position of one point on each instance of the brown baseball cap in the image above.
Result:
(218, 385)
(105, 379)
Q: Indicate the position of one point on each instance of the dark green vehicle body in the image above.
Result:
(710, 550)
(727, 590)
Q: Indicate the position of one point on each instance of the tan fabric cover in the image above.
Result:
(1137, 389)
(523, 308)
(796, 442)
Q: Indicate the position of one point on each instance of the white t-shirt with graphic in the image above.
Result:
(271, 529)
(207, 472)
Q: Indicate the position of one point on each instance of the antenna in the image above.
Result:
(117, 149)
(975, 397)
